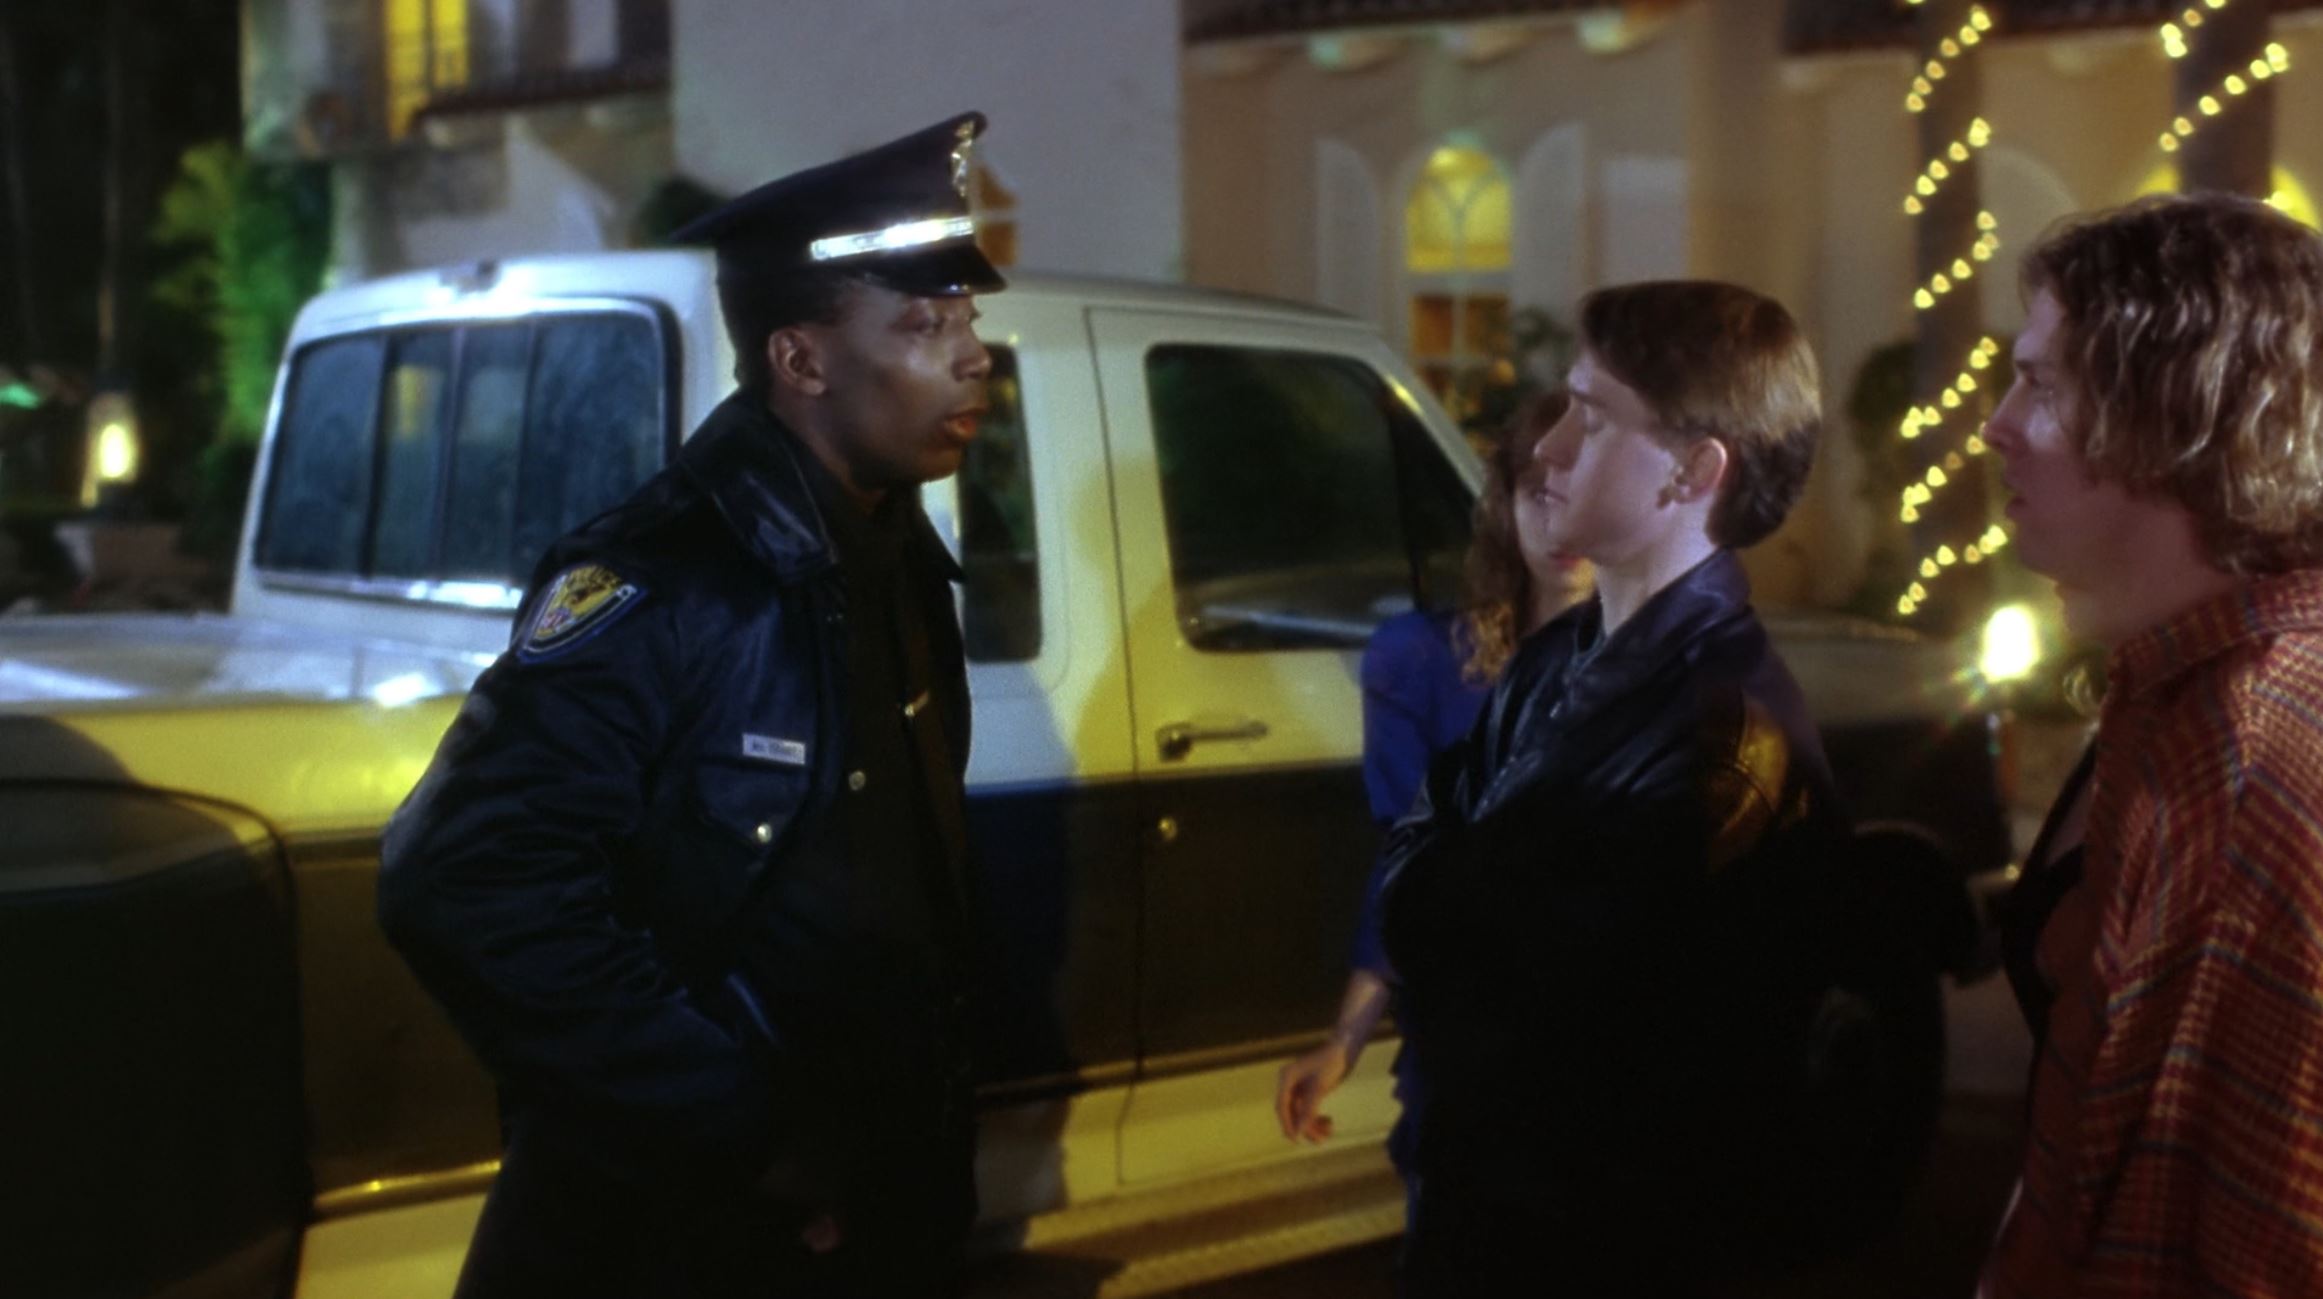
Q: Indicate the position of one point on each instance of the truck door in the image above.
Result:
(1276, 497)
(1052, 814)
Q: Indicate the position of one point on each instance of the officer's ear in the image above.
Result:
(794, 361)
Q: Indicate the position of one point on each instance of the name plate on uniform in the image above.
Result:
(769, 748)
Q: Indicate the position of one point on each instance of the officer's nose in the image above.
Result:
(975, 362)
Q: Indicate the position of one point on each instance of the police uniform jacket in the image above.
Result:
(1584, 911)
(639, 812)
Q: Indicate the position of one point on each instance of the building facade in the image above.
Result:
(1447, 166)
(465, 129)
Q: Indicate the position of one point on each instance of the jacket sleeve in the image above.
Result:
(496, 884)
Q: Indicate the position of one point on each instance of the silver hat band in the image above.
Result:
(895, 238)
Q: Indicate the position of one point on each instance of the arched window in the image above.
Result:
(994, 207)
(1456, 258)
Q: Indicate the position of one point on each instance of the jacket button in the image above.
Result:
(856, 780)
(764, 833)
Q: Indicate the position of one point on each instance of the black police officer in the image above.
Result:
(687, 871)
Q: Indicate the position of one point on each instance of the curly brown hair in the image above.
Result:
(1496, 589)
(2192, 346)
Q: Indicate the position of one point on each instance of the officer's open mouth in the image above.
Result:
(961, 424)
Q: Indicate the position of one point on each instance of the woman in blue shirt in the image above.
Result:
(1424, 675)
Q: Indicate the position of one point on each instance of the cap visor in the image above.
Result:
(943, 272)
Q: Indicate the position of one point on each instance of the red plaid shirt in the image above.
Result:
(2177, 1108)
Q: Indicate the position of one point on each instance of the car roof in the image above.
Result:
(686, 276)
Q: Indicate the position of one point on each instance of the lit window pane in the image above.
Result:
(1457, 218)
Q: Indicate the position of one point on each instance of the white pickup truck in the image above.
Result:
(1182, 519)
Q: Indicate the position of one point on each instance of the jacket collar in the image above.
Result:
(1669, 626)
(749, 464)
(1556, 679)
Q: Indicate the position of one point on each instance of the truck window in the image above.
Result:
(593, 429)
(458, 452)
(1000, 605)
(411, 448)
(320, 491)
(1304, 503)
(487, 437)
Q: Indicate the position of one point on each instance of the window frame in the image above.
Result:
(1408, 436)
(1461, 283)
(959, 524)
(463, 594)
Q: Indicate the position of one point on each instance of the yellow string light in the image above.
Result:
(1971, 33)
(1942, 559)
(1922, 419)
(1938, 170)
(2275, 62)
(2174, 34)
(1962, 269)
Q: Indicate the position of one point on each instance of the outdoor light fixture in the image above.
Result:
(2012, 644)
(113, 446)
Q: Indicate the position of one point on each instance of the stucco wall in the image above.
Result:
(1083, 100)
(1251, 136)
(568, 184)
(568, 179)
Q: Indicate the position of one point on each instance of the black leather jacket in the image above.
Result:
(568, 877)
(1587, 910)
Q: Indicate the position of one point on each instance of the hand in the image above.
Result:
(822, 1234)
(1304, 1083)
(787, 1182)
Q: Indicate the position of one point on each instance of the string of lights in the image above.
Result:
(1939, 168)
(1945, 467)
(1994, 539)
(1963, 269)
(1925, 419)
(1950, 48)
(2276, 61)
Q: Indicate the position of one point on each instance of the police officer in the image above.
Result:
(688, 870)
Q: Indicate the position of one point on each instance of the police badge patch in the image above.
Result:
(584, 600)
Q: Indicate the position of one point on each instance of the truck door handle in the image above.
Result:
(1179, 738)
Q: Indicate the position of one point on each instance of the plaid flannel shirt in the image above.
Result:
(2176, 1143)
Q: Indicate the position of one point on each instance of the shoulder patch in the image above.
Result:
(583, 600)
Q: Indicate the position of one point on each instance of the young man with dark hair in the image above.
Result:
(2162, 447)
(1567, 906)
(687, 871)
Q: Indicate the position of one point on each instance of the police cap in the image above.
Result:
(896, 215)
